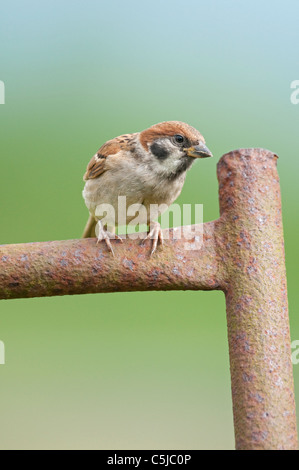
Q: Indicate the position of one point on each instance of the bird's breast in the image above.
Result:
(124, 188)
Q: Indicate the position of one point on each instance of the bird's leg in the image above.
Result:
(103, 234)
(155, 233)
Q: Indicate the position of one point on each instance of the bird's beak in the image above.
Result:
(199, 151)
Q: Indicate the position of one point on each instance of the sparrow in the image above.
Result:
(148, 168)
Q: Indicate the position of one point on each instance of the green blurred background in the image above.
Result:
(135, 370)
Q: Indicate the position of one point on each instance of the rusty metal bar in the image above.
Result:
(242, 254)
(84, 267)
(252, 247)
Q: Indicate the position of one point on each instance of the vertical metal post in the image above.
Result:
(252, 247)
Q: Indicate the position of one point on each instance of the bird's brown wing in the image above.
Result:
(97, 165)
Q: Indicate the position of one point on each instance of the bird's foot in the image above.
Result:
(105, 235)
(155, 233)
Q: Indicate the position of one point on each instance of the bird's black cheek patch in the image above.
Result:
(159, 151)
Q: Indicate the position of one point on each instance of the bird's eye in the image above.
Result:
(179, 138)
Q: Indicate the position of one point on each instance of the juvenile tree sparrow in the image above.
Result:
(147, 167)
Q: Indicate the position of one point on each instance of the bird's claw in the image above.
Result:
(107, 236)
(155, 233)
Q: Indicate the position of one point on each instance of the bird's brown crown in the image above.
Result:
(168, 129)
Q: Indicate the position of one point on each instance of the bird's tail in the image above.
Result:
(90, 227)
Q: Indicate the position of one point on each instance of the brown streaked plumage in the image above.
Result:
(147, 168)
(96, 165)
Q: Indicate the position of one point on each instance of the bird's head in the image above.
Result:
(173, 146)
